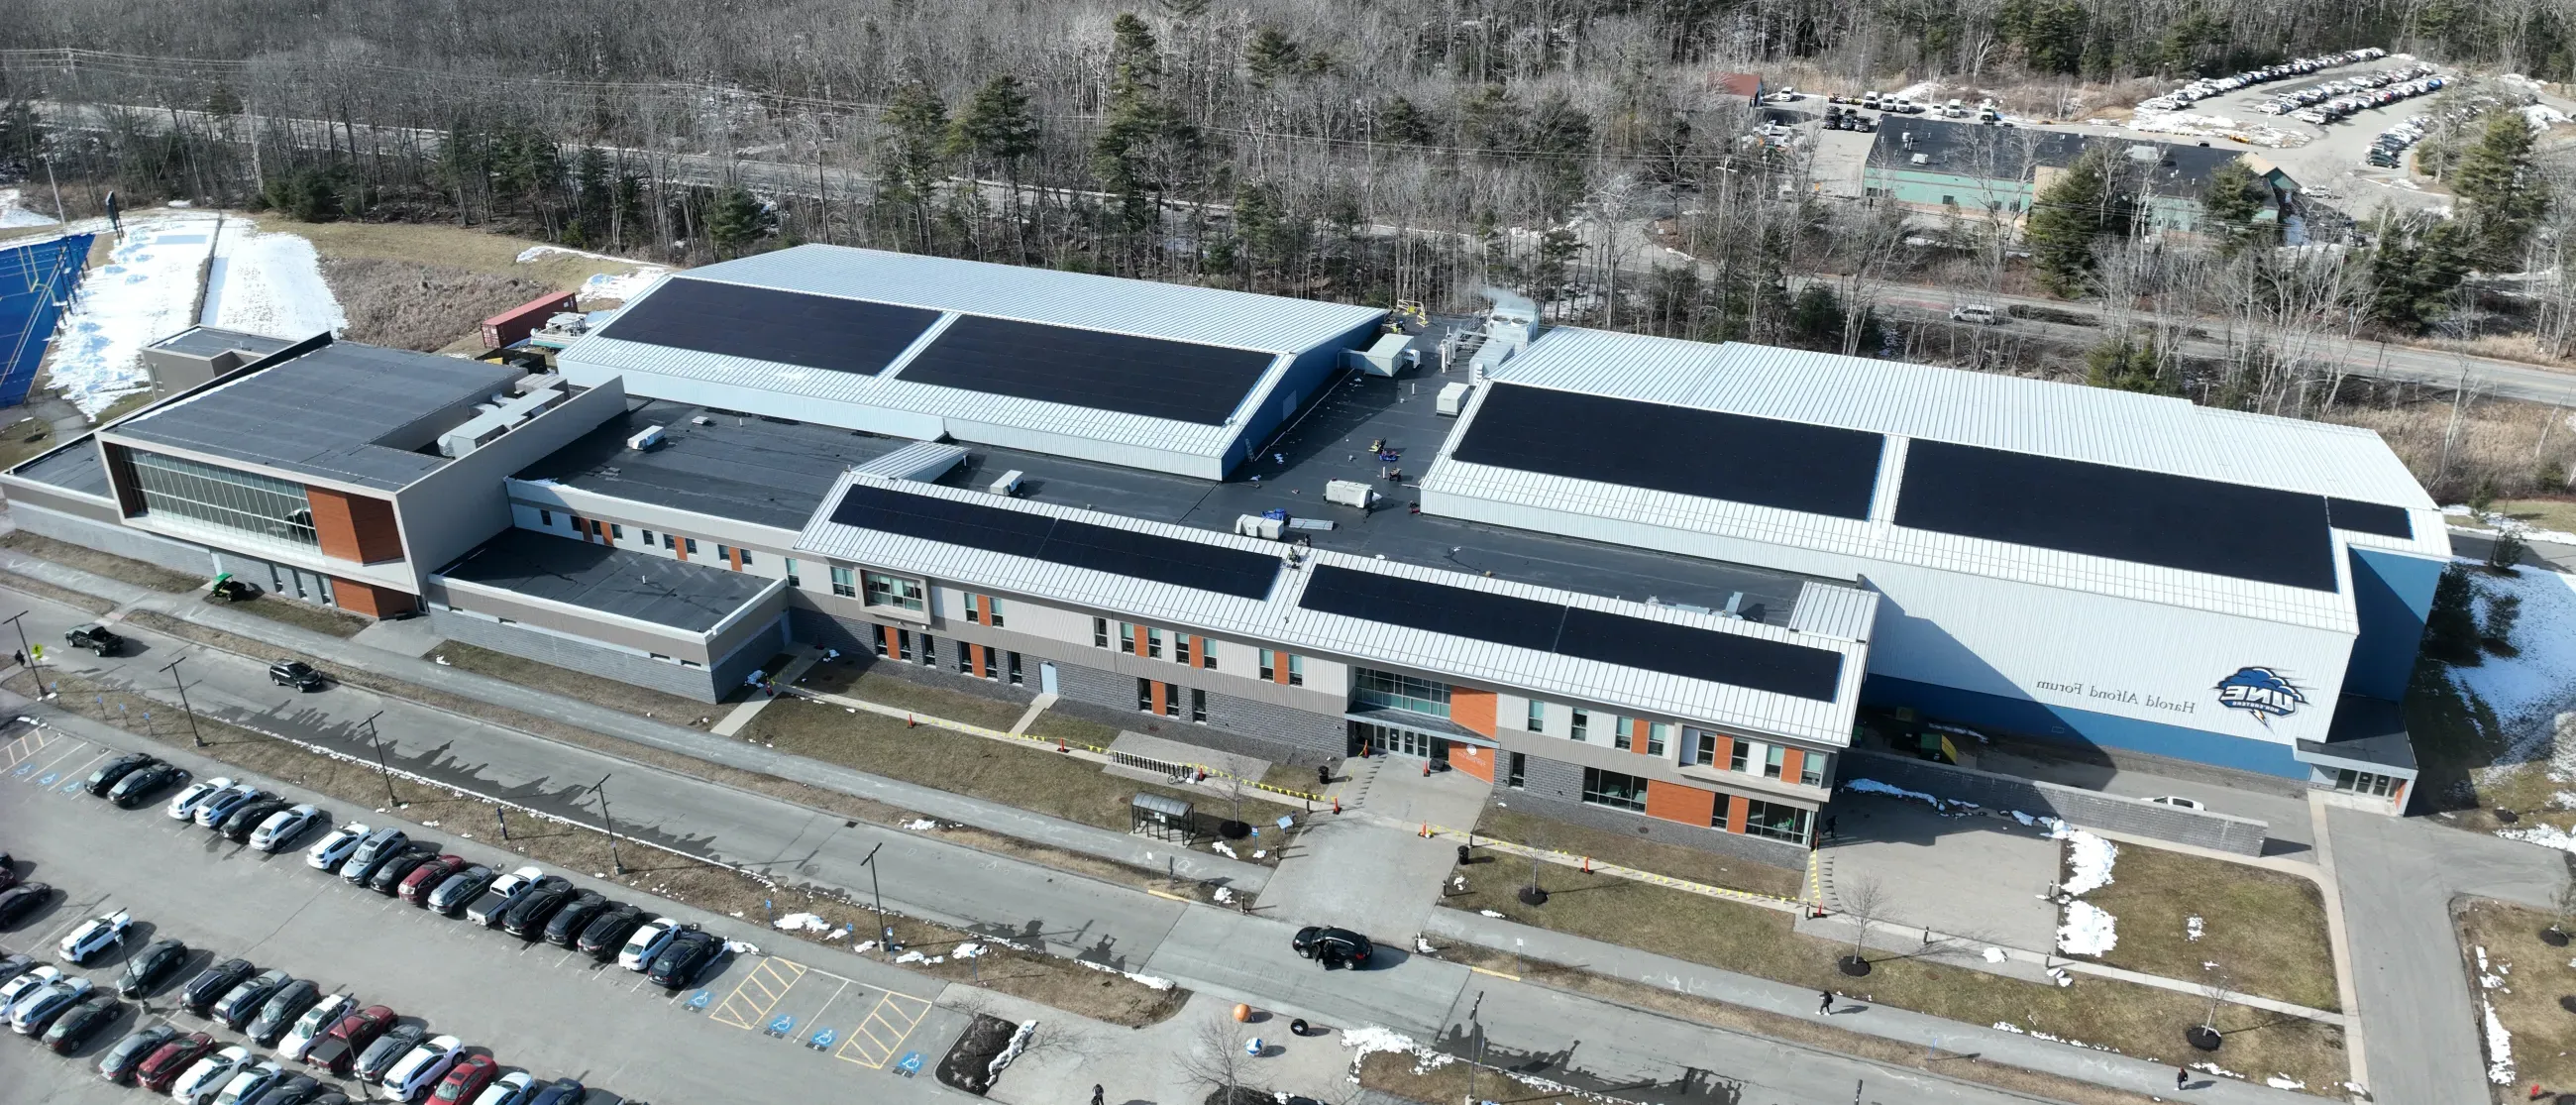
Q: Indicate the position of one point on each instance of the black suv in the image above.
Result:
(1332, 947)
(143, 783)
(296, 674)
(95, 638)
(575, 916)
(527, 917)
(689, 955)
(214, 982)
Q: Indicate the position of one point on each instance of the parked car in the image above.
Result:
(561, 1091)
(503, 893)
(340, 1045)
(420, 881)
(688, 956)
(27, 982)
(152, 966)
(248, 1082)
(328, 853)
(565, 927)
(95, 936)
(460, 888)
(514, 1088)
(163, 1067)
(74, 1027)
(296, 674)
(310, 1027)
(281, 828)
(220, 805)
(15, 964)
(122, 1058)
(535, 906)
(422, 1067)
(465, 1080)
(115, 771)
(21, 901)
(387, 878)
(379, 846)
(1977, 313)
(647, 941)
(94, 637)
(1332, 947)
(290, 1089)
(242, 1002)
(388, 1050)
(213, 983)
(183, 805)
(607, 933)
(139, 787)
(2178, 802)
(206, 1077)
(36, 1009)
(278, 1013)
(242, 822)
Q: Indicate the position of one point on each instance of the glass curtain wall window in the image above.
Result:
(1391, 691)
(1776, 821)
(886, 590)
(1611, 788)
(243, 502)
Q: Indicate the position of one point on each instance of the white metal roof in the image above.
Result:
(1844, 617)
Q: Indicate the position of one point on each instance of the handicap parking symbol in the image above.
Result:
(71, 786)
(28, 768)
(782, 1025)
(822, 1039)
(911, 1064)
(697, 1002)
(49, 778)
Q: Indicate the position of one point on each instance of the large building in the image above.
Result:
(1981, 172)
(1643, 583)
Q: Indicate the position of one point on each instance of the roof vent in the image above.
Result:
(650, 437)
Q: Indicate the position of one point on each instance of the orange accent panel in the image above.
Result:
(1637, 735)
(890, 643)
(1725, 753)
(733, 556)
(1792, 764)
(1475, 760)
(354, 527)
(680, 547)
(1279, 667)
(1473, 709)
(369, 599)
(1675, 802)
(1735, 812)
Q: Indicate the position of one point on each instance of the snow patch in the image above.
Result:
(622, 287)
(1150, 982)
(1996, 955)
(1223, 895)
(269, 284)
(2087, 930)
(1220, 848)
(2499, 1048)
(2284, 1082)
(969, 950)
(14, 212)
(742, 947)
(2089, 859)
(146, 291)
(2214, 1068)
(801, 922)
(1019, 1043)
(2525, 690)
(1493, 913)
(2192, 929)
(921, 825)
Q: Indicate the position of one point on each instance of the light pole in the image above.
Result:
(610, 822)
(28, 650)
(1475, 1046)
(381, 767)
(173, 668)
(885, 934)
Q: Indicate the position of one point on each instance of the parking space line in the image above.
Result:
(881, 1034)
(49, 764)
(26, 745)
(84, 769)
(758, 992)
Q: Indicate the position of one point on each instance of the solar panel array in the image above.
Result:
(2375, 518)
(2195, 525)
(1693, 653)
(1683, 450)
(811, 331)
(1154, 377)
(1193, 564)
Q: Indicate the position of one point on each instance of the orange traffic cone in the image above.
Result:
(1426, 830)
(1059, 745)
(1337, 805)
(909, 723)
(1587, 865)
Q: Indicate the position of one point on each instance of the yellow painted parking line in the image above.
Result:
(1165, 894)
(25, 747)
(1496, 974)
(758, 992)
(880, 1036)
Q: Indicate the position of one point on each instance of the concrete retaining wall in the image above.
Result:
(1554, 788)
(702, 684)
(2219, 831)
(109, 537)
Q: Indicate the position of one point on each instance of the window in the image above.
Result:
(669, 543)
(965, 660)
(746, 557)
(1388, 690)
(1622, 736)
(792, 581)
(903, 638)
(1100, 633)
(723, 552)
(1582, 726)
(1717, 810)
(243, 502)
(1776, 821)
(1014, 667)
(1703, 749)
(1739, 759)
(1296, 671)
(1610, 788)
(1181, 649)
(2365, 782)
(1516, 771)
(1949, 201)
(1811, 769)
(546, 518)
(692, 543)
(1127, 639)
(648, 537)
(1269, 664)
(966, 600)
(1656, 734)
(616, 532)
(877, 633)
(1537, 722)
(886, 590)
(1207, 654)
(844, 583)
(1198, 705)
(992, 611)
(929, 652)
(1145, 695)
(1154, 643)
(1171, 700)
(1773, 757)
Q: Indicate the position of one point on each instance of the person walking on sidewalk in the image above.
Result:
(1824, 1003)
(2182, 1080)
(1095, 1094)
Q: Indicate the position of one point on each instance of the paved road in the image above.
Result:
(2398, 878)
(2556, 558)
(535, 1006)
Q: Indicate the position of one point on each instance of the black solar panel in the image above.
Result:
(2361, 517)
(1087, 368)
(1762, 461)
(2143, 517)
(1073, 544)
(1797, 670)
(814, 331)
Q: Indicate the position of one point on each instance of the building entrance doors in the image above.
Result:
(1370, 738)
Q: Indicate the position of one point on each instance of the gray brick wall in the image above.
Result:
(1554, 788)
(564, 652)
(133, 544)
(2082, 807)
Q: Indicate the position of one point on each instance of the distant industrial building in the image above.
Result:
(1977, 171)
(1652, 585)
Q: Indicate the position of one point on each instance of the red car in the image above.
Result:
(166, 1063)
(426, 877)
(340, 1045)
(466, 1079)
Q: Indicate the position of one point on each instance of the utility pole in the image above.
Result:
(173, 668)
(1475, 1046)
(601, 789)
(28, 650)
(381, 767)
(885, 933)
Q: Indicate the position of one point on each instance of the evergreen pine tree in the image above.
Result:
(1145, 145)
(1272, 55)
(996, 127)
(2124, 365)
(736, 219)
(1401, 123)
(2505, 197)
(2231, 205)
(1816, 319)
(2064, 221)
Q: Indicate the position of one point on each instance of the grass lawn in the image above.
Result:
(1689, 864)
(2458, 743)
(876, 681)
(23, 440)
(94, 562)
(2265, 929)
(1051, 725)
(2556, 514)
(2135, 1020)
(1031, 778)
(597, 690)
(441, 244)
(304, 615)
(2532, 979)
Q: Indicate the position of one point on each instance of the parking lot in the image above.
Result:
(762, 1026)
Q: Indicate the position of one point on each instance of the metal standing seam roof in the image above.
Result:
(680, 594)
(1110, 305)
(207, 341)
(1280, 618)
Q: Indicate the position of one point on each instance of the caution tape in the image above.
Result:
(1570, 859)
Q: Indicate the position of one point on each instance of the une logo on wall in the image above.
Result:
(2263, 692)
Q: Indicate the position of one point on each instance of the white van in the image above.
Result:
(1978, 313)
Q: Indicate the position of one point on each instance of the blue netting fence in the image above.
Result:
(36, 284)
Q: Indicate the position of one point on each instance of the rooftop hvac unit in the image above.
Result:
(650, 437)
(1351, 493)
(1453, 399)
(1008, 485)
(1254, 525)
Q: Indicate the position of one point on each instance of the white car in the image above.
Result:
(509, 1089)
(206, 1077)
(329, 852)
(1977, 313)
(413, 1074)
(25, 984)
(313, 1023)
(183, 805)
(35, 1008)
(2177, 801)
(222, 803)
(94, 936)
(283, 826)
(646, 943)
(247, 1083)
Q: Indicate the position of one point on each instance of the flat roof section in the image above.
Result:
(2121, 513)
(207, 341)
(1091, 368)
(680, 594)
(72, 467)
(1192, 564)
(322, 414)
(739, 467)
(1683, 450)
(810, 331)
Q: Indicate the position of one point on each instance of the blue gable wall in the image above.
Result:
(2391, 593)
(2036, 719)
